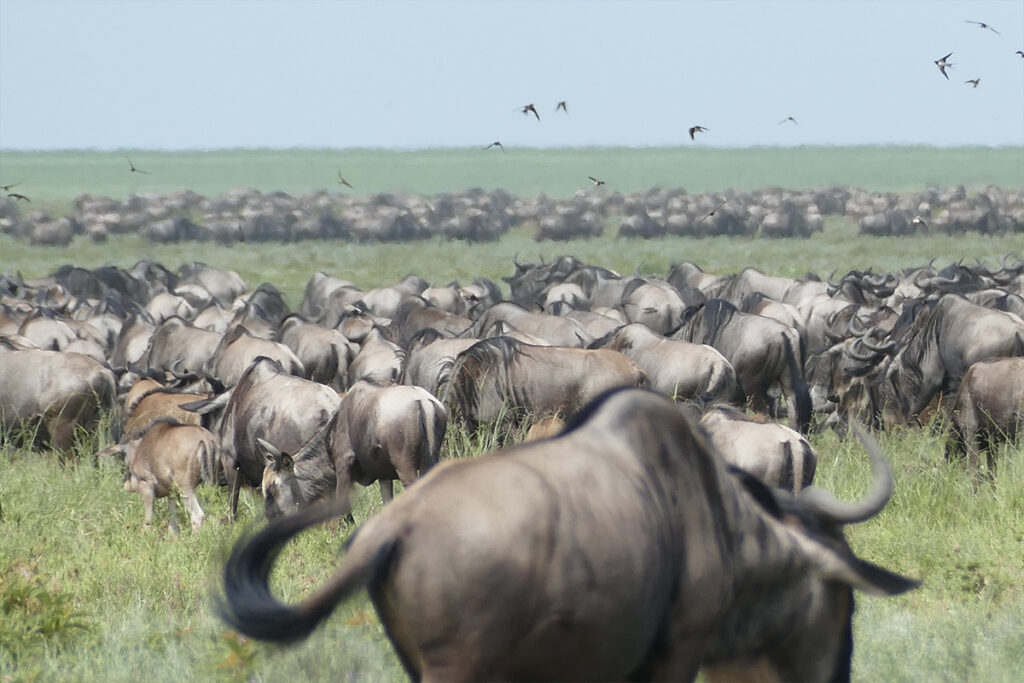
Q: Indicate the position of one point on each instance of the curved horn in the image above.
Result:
(878, 347)
(852, 352)
(826, 507)
(854, 327)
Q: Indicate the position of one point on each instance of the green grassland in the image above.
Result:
(56, 177)
(88, 593)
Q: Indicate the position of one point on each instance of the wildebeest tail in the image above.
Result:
(801, 394)
(209, 463)
(247, 604)
(433, 426)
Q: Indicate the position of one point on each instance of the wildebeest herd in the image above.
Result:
(669, 525)
(476, 215)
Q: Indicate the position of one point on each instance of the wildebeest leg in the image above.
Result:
(172, 512)
(387, 490)
(231, 474)
(341, 493)
(194, 509)
(146, 490)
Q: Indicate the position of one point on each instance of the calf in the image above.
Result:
(169, 456)
(989, 408)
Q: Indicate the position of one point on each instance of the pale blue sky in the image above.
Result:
(184, 74)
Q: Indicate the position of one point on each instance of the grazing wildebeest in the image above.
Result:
(430, 359)
(55, 390)
(502, 376)
(176, 344)
(266, 403)
(325, 353)
(764, 352)
(676, 368)
(989, 409)
(774, 453)
(238, 349)
(943, 342)
(380, 433)
(168, 456)
(622, 549)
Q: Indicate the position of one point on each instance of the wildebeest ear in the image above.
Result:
(287, 464)
(270, 450)
(835, 565)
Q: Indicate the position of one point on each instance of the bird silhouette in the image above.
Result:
(342, 181)
(1020, 52)
(697, 129)
(714, 210)
(982, 24)
(943, 65)
(131, 166)
(561, 105)
(973, 81)
(530, 108)
(597, 183)
(497, 144)
(7, 188)
(15, 196)
(788, 118)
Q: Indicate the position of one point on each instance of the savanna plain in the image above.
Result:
(88, 593)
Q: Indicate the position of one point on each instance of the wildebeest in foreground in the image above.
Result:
(989, 408)
(623, 548)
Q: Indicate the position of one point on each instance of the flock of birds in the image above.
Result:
(942, 63)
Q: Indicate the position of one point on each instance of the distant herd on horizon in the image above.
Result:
(562, 106)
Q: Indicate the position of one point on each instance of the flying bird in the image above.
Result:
(973, 81)
(530, 108)
(982, 24)
(712, 212)
(1020, 52)
(497, 144)
(788, 118)
(597, 183)
(131, 166)
(561, 105)
(342, 181)
(697, 129)
(943, 64)
(15, 196)
(7, 188)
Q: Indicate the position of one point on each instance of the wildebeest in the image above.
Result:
(621, 549)
(380, 433)
(944, 341)
(502, 376)
(764, 352)
(166, 457)
(989, 409)
(430, 359)
(266, 403)
(177, 345)
(676, 368)
(774, 453)
(238, 349)
(59, 392)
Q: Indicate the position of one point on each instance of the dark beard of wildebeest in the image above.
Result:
(941, 344)
(380, 433)
(762, 351)
(662, 563)
(504, 378)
